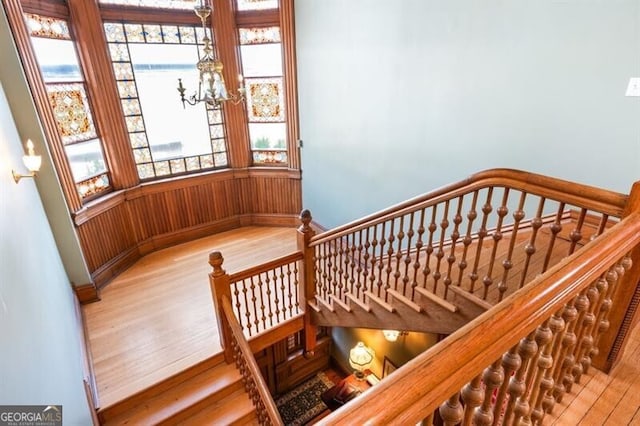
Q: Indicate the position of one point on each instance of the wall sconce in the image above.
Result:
(392, 335)
(360, 358)
(31, 161)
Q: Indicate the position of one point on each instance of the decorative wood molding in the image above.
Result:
(90, 385)
(87, 293)
(287, 29)
(98, 207)
(101, 85)
(21, 37)
(226, 44)
(147, 15)
(257, 18)
(53, 8)
(105, 273)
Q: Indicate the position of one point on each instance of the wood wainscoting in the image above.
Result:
(118, 229)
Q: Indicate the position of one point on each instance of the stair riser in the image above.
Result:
(200, 405)
(108, 413)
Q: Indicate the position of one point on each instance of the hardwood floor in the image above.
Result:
(156, 318)
(602, 399)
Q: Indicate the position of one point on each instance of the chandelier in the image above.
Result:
(211, 86)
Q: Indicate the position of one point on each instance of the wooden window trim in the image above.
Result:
(15, 15)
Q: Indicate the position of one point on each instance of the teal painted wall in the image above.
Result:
(401, 97)
(40, 361)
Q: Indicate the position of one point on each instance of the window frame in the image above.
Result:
(107, 114)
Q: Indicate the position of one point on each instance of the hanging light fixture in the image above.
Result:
(211, 87)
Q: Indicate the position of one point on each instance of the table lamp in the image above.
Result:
(360, 358)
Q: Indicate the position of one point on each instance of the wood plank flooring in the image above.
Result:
(156, 318)
(601, 399)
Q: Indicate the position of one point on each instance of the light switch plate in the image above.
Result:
(633, 89)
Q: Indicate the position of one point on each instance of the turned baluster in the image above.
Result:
(247, 309)
(542, 362)
(407, 256)
(291, 277)
(372, 272)
(576, 234)
(254, 299)
(351, 262)
(455, 235)
(612, 277)
(419, 245)
(555, 228)
(468, 238)
(398, 255)
(383, 242)
(518, 405)
(545, 364)
(265, 283)
(341, 261)
(444, 224)
(507, 263)
(581, 303)
(565, 358)
(365, 262)
(586, 339)
(278, 274)
(482, 233)
(530, 248)
(451, 411)
(426, 271)
(389, 268)
(360, 263)
(511, 362)
(502, 211)
(472, 397)
(492, 377)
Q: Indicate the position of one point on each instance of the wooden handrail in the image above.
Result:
(608, 202)
(251, 371)
(417, 389)
(267, 266)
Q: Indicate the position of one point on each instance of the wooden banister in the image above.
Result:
(416, 390)
(254, 383)
(267, 266)
(589, 197)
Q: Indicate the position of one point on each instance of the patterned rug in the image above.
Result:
(303, 403)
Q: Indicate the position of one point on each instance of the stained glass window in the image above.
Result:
(67, 94)
(257, 4)
(161, 4)
(261, 53)
(166, 138)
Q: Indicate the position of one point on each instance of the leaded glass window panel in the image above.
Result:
(161, 4)
(62, 74)
(164, 135)
(257, 4)
(261, 53)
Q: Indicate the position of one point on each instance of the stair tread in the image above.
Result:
(181, 396)
(235, 409)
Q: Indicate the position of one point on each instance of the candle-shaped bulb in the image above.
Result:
(30, 150)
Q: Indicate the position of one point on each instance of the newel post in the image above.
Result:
(307, 277)
(624, 307)
(220, 286)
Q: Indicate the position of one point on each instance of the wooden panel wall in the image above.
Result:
(117, 231)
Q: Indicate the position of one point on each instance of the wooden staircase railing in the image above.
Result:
(254, 384)
(457, 245)
(547, 318)
(514, 362)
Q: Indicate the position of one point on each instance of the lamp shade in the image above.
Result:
(361, 357)
(391, 335)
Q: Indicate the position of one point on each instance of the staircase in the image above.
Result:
(208, 393)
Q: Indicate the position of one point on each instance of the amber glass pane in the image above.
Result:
(265, 99)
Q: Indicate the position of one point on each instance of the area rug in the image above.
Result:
(303, 403)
